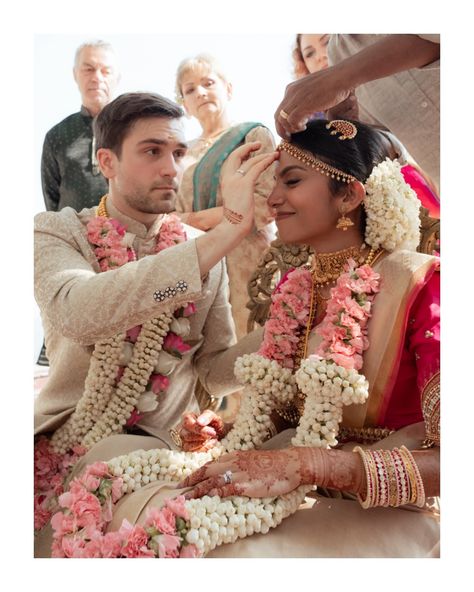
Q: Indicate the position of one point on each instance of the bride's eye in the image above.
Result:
(292, 182)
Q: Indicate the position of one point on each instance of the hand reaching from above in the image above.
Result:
(348, 109)
(316, 92)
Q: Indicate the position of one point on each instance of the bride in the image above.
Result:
(341, 401)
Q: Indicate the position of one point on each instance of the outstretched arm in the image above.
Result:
(327, 88)
(66, 282)
(265, 473)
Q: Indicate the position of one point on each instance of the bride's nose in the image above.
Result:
(276, 197)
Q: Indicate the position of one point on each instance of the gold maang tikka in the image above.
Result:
(346, 129)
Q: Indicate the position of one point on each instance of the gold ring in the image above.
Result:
(283, 114)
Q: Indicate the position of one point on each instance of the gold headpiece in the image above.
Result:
(308, 159)
(347, 129)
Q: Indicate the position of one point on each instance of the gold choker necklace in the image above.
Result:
(327, 267)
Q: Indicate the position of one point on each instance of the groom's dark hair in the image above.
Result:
(116, 119)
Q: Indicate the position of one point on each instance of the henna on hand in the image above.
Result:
(195, 477)
(201, 433)
(228, 490)
(268, 466)
(336, 469)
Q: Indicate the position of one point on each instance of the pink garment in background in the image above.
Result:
(420, 358)
(425, 193)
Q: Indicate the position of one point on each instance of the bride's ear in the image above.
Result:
(354, 195)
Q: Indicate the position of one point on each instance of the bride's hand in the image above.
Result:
(239, 175)
(253, 473)
(200, 433)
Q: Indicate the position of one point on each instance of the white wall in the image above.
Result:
(259, 66)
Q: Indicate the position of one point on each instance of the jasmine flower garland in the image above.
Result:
(392, 208)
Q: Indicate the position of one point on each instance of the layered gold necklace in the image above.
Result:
(325, 269)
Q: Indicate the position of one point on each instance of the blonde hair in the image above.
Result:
(201, 60)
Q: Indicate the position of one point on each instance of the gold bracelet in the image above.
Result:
(176, 438)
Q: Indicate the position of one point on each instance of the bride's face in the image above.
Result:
(305, 210)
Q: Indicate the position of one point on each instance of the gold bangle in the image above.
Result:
(369, 495)
(289, 414)
(392, 478)
(411, 475)
(420, 497)
(382, 479)
(402, 478)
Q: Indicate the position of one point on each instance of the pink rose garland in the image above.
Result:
(344, 327)
(87, 509)
(289, 314)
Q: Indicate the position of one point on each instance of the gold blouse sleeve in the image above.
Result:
(430, 405)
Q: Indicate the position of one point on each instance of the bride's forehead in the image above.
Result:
(285, 160)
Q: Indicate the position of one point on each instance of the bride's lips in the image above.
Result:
(283, 215)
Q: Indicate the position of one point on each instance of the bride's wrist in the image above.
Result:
(315, 466)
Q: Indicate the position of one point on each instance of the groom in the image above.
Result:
(90, 290)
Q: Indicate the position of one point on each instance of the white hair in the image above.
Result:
(97, 43)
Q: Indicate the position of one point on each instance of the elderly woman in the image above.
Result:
(343, 393)
(205, 92)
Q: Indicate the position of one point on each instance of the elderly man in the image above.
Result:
(70, 174)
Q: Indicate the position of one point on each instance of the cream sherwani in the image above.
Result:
(80, 306)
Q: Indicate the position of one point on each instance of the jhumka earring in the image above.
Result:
(344, 222)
